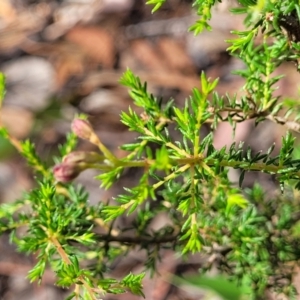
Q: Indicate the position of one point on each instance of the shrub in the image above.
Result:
(254, 236)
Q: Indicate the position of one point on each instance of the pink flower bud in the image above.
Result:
(82, 128)
(65, 172)
(74, 163)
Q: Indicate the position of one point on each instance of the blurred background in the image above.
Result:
(63, 57)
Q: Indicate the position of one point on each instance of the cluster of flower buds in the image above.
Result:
(76, 162)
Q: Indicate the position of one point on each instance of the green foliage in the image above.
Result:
(222, 286)
(157, 4)
(2, 88)
(254, 238)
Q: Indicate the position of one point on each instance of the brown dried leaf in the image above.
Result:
(68, 65)
(175, 56)
(148, 55)
(10, 40)
(66, 57)
(96, 42)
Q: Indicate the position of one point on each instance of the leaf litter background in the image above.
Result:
(62, 57)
